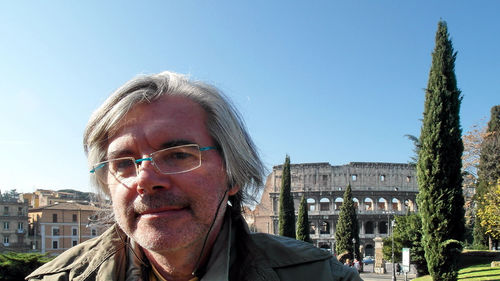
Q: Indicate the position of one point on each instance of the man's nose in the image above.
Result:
(149, 179)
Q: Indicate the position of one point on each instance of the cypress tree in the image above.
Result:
(347, 228)
(489, 172)
(286, 223)
(439, 164)
(303, 222)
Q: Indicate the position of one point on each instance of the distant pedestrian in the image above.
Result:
(357, 265)
(398, 268)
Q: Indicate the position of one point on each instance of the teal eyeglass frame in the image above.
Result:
(150, 158)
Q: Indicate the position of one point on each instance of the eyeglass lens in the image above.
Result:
(168, 161)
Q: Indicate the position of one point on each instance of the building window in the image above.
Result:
(382, 227)
(6, 240)
(19, 211)
(54, 217)
(74, 243)
(312, 228)
(382, 204)
(369, 227)
(325, 179)
(324, 204)
(55, 231)
(6, 211)
(74, 231)
(93, 232)
(382, 177)
(75, 218)
(6, 225)
(325, 228)
(368, 204)
(338, 203)
(55, 244)
(311, 204)
(20, 226)
(356, 203)
(354, 177)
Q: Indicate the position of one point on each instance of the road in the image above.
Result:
(367, 275)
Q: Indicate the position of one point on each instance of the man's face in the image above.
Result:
(167, 212)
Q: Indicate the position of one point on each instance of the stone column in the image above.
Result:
(379, 265)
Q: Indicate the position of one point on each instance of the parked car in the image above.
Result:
(368, 260)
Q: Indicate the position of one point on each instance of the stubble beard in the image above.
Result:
(160, 234)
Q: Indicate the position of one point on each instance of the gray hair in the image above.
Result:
(242, 163)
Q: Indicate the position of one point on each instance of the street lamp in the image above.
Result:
(392, 247)
(390, 223)
(354, 248)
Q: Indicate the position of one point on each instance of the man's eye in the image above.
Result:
(180, 155)
(123, 164)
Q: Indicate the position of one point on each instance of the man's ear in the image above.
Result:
(232, 190)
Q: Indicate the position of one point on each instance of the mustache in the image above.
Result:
(155, 201)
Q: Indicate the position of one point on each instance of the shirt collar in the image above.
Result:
(218, 263)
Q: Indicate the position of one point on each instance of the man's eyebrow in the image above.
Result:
(118, 154)
(173, 143)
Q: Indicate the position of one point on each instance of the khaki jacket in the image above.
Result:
(258, 257)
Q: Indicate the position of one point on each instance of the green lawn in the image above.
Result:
(475, 265)
(473, 273)
(482, 272)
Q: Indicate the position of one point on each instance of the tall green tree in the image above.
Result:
(286, 223)
(479, 237)
(439, 163)
(303, 222)
(347, 231)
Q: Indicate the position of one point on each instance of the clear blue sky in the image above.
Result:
(322, 81)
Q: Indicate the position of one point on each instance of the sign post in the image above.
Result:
(406, 261)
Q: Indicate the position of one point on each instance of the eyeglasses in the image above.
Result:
(173, 160)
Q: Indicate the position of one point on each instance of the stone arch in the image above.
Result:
(325, 245)
(382, 204)
(410, 205)
(312, 228)
(382, 227)
(311, 204)
(396, 204)
(356, 202)
(368, 204)
(338, 203)
(369, 229)
(324, 227)
(324, 204)
(369, 250)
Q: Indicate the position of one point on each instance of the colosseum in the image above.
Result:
(380, 191)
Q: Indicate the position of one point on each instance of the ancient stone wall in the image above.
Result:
(380, 191)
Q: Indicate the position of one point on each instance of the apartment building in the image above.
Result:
(45, 197)
(14, 225)
(63, 225)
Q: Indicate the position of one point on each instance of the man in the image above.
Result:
(177, 163)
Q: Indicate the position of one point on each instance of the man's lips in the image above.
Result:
(157, 211)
